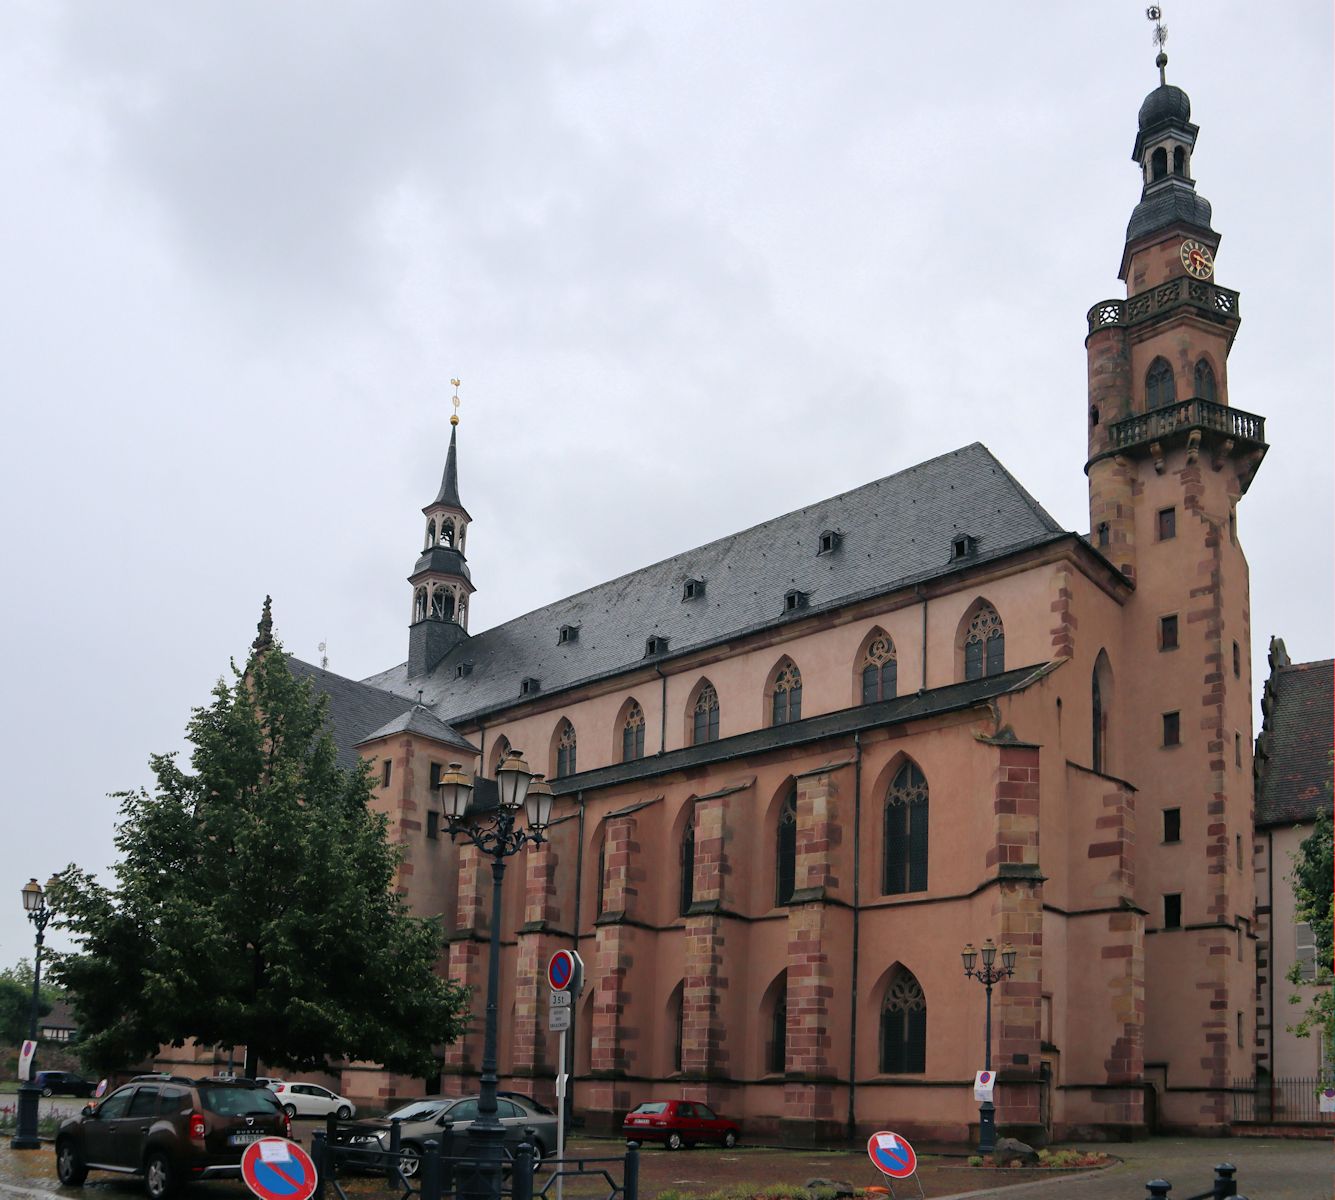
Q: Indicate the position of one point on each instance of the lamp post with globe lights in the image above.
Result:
(497, 834)
(39, 912)
(988, 975)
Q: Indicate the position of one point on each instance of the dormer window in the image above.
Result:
(794, 600)
(829, 541)
(463, 670)
(693, 589)
(567, 634)
(965, 545)
(654, 646)
(528, 686)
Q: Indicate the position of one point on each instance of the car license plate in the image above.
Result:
(244, 1139)
(639, 1120)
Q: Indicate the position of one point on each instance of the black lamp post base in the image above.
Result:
(25, 1124)
(486, 1148)
(987, 1127)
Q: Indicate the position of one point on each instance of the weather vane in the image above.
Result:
(1160, 38)
(454, 417)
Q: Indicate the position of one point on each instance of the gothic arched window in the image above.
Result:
(632, 734)
(906, 832)
(1159, 386)
(499, 753)
(879, 670)
(686, 896)
(704, 718)
(984, 644)
(1096, 710)
(904, 1026)
(565, 750)
(785, 851)
(419, 605)
(776, 1048)
(1100, 697)
(786, 700)
(447, 533)
(1205, 387)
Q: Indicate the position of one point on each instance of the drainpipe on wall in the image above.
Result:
(857, 880)
(662, 712)
(569, 1065)
(923, 688)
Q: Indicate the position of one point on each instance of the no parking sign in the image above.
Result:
(892, 1155)
(276, 1169)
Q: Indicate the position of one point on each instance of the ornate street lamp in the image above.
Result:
(39, 912)
(988, 975)
(496, 834)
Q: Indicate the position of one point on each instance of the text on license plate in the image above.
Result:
(639, 1120)
(242, 1139)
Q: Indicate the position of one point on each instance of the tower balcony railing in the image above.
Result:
(1184, 416)
(1220, 303)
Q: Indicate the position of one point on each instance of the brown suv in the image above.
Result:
(170, 1130)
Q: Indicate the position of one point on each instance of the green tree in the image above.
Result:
(1313, 879)
(16, 1001)
(255, 902)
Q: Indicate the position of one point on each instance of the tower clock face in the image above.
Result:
(1198, 259)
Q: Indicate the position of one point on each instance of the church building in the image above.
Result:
(799, 768)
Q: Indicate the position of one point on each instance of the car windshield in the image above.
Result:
(652, 1108)
(419, 1110)
(239, 1101)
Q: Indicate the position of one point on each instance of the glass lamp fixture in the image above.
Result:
(456, 790)
(512, 781)
(1008, 957)
(970, 955)
(33, 898)
(538, 804)
(989, 953)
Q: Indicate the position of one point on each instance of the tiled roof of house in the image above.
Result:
(1294, 751)
(891, 533)
(417, 720)
(355, 709)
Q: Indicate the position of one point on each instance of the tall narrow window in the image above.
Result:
(984, 644)
(776, 1052)
(906, 833)
(786, 702)
(1179, 161)
(632, 734)
(1159, 386)
(1172, 824)
(602, 875)
(1167, 524)
(785, 853)
(904, 1027)
(565, 750)
(879, 670)
(1237, 661)
(1159, 163)
(1168, 632)
(704, 718)
(386, 771)
(1172, 729)
(678, 1021)
(1172, 910)
(1096, 704)
(1205, 388)
(686, 895)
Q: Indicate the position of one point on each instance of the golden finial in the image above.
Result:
(454, 417)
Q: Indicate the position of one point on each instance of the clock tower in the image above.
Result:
(1169, 459)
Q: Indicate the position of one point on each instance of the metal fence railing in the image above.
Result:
(1280, 1100)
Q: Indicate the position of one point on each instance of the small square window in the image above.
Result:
(1172, 729)
(963, 546)
(1172, 824)
(529, 686)
(655, 645)
(432, 823)
(1172, 910)
(794, 600)
(1237, 661)
(1167, 524)
(1168, 632)
(386, 772)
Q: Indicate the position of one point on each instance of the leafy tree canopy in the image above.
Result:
(254, 902)
(16, 1001)
(1313, 881)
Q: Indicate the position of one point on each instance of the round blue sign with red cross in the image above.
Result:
(561, 971)
(276, 1169)
(892, 1155)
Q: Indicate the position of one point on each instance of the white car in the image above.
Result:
(311, 1100)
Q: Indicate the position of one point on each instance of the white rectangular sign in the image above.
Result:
(983, 1083)
(558, 1019)
(561, 999)
(25, 1060)
(1327, 1101)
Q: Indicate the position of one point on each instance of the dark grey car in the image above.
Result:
(446, 1121)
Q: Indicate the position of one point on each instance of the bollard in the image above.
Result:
(632, 1176)
(445, 1155)
(521, 1183)
(318, 1159)
(1224, 1183)
(393, 1174)
(1158, 1189)
(430, 1171)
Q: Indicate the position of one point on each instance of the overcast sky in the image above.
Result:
(697, 264)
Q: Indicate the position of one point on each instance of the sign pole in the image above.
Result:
(561, 1118)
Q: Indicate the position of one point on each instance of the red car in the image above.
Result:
(678, 1123)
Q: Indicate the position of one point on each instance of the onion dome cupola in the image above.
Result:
(441, 584)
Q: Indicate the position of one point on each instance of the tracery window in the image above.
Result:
(1159, 386)
(785, 855)
(1205, 387)
(565, 750)
(704, 723)
(500, 753)
(879, 670)
(632, 734)
(906, 832)
(904, 1026)
(984, 644)
(786, 703)
(447, 533)
(686, 895)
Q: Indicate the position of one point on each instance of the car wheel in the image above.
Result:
(70, 1165)
(159, 1176)
(539, 1152)
(674, 1141)
(343, 1113)
(291, 1110)
(410, 1159)
(47, 1092)
(729, 1139)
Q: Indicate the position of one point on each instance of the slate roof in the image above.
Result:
(354, 708)
(895, 532)
(1295, 780)
(418, 720)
